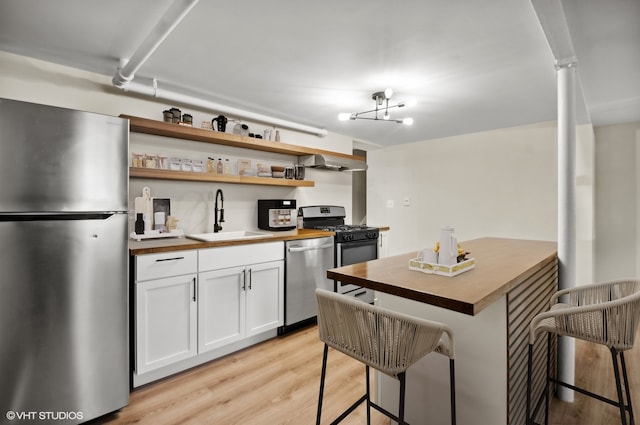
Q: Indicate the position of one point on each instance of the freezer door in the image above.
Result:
(54, 159)
(64, 316)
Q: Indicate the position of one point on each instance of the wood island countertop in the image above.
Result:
(500, 265)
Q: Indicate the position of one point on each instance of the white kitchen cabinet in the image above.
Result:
(222, 307)
(265, 297)
(196, 305)
(383, 244)
(166, 311)
(243, 300)
(166, 317)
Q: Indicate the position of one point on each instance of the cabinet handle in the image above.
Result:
(194, 289)
(244, 279)
(250, 278)
(169, 259)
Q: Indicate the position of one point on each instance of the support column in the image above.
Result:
(566, 76)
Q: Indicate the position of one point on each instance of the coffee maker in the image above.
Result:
(277, 214)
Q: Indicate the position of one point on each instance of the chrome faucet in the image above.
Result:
(216, 223)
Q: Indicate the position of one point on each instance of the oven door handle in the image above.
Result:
(309, 248)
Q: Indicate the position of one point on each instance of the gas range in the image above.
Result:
(353, 243)
(351, 232)
(331, 218)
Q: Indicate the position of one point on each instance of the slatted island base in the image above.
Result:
(489, 309)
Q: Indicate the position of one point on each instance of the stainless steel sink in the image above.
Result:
(229, 236)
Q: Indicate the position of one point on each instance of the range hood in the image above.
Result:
(331, 162)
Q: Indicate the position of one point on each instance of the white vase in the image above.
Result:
(448, 247)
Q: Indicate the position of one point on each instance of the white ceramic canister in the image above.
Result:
(448, 254)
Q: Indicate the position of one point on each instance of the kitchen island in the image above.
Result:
(489, 309)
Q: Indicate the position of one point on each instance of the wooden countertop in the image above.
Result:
(500, 264)
(150, 246)
(179, 244)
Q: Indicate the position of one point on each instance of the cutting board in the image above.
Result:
(144, 204)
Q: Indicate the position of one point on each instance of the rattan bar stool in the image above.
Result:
(386, 340)
(604, 313)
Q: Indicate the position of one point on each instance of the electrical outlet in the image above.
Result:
(406, 202)
(390, 203)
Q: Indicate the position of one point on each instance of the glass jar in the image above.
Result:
(163, 162)
(186, 165)
(197, 166)
(137, 160)
(150, 161)
(175, 164)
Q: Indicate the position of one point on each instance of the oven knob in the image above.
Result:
(348, 237)
(371, 235)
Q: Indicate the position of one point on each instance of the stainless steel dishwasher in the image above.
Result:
(306, 264)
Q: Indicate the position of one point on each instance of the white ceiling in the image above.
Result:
(471, 65)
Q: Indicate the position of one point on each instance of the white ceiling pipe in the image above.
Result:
(219, 108)
(123, 78)
(163, 28)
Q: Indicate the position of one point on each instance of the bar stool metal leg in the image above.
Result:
(532, 409)
(452, 380)
(529, 367)
(322, 376)
(626, 387)
(403, 383)
(548, 380)
(616, 373)
(368, 396)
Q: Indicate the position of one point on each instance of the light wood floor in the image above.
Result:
(595, 373)
(276, 383)
(272, 383)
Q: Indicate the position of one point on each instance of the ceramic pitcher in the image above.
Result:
(448, 247)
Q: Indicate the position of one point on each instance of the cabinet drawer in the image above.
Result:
(239, 255)
(175, 263)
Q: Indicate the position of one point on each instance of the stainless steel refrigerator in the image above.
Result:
(63, 264)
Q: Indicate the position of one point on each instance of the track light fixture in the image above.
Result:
(381, 99)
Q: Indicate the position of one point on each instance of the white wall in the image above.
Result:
(500, 183)
(585, 205)
(617, 197)
(42, 82)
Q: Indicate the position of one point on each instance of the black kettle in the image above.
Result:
(222, 122)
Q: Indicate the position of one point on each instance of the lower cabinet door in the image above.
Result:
(166, 321)
(265, 297)
(221, 309)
